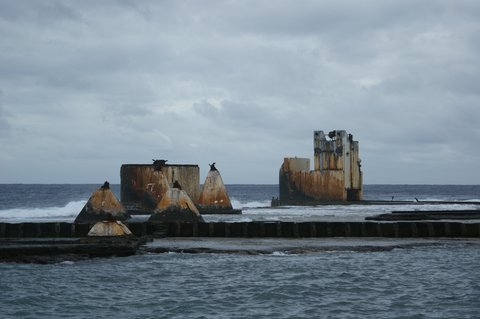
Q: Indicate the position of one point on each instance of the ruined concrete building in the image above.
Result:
(336, 175)
(143, 186)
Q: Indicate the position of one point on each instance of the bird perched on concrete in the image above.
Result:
(212, 167)
(159, 164)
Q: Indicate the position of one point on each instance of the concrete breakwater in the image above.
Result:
(257, 229)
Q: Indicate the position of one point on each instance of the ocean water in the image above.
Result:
(24, 202)
(434, 279)
(424, 282)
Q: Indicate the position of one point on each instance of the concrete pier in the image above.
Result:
(408, 229)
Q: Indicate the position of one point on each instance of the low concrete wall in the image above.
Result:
(256, 229)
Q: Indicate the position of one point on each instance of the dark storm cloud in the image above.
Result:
(238, 82)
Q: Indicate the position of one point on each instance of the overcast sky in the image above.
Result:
(88, 85)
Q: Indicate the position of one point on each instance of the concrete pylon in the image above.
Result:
(214, 198)
(175, 206)
(102, 205)
(154, 192)
(109, 228)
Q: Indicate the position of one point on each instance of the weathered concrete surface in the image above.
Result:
(108, 228)
(411, 229)
(154, 192)
(176, 205)
(143, 185)
(336, 175)
(284, 229)
(311, 185)
(214, 197)
(102, 205)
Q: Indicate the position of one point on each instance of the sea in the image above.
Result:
(437, 278)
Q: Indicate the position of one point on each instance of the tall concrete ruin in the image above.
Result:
(336, 175)
(144, 185)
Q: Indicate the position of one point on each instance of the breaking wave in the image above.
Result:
(65, 213)
(250, 204)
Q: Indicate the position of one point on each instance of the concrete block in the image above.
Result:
(219, 229)
(270, 229)
(372, 229)
(337, 229)
(439, 229)
(456, 229)
(422, 229)
(203, 229)
(236, 229)
(404, 229)
(304, 229)
(356, 230)
(321, 229)
(139, 229)
(287, 230)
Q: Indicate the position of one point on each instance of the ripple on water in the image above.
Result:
(426, 282)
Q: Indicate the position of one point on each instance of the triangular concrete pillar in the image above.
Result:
(102, 205)
(214, 198)
(154, 192)
(175, 206)
(109, 228)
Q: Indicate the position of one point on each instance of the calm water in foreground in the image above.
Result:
(420, 282)
(441, 280)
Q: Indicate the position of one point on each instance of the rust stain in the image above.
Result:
(176, 199)
(214, 194)
(336, 174)
(102, 204)
(104, 201)
(109, 228)
(145, 184)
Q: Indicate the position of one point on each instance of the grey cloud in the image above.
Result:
(240, 82)
(205, 108)
(37, 12)
(4, 124)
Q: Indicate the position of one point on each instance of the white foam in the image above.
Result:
(67, 213)
(279, 253)
(328, 212)
(253, 204)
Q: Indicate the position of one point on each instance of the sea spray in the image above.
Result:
(65, 213)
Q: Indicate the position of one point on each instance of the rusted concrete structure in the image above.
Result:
(336, 175)
(143, 185)
(214, 198)
(108, 228)
(102, 205)
(176, 205)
